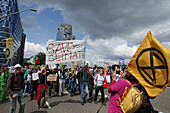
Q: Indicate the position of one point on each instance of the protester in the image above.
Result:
(14, 88)
(3, 82)
(78, 78)
(34, 84)
(117, 91)
(98, 82)
(73, 83)
(91, 84)
(27, 82)
(61, 81)
(84, 79)
(118, 73)
(42, 90)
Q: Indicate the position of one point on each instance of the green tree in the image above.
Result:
(41, 57)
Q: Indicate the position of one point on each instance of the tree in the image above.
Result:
(41, 57)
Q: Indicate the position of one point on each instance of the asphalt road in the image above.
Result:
(67, 104)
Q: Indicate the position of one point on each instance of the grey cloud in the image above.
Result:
(28, 22)
(107, 18)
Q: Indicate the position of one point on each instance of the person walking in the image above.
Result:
(15, 89)
(98, 82)
(118, 91)
(34, 84)
(91, 84)
(3, 82)
(42, 90)
(27, 82)
(84, 79)
(73, 83)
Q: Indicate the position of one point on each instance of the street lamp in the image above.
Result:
(18, 12)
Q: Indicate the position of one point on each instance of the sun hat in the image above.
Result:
(17, 65)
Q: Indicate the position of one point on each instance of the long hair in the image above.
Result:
(130, 77)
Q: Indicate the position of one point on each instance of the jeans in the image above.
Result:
(20, 99)
(34, 88)
(91, 86)
(97, 91)
(83, 86)
(25, 89)
(73, 86)
(50, 88)
(61, 86)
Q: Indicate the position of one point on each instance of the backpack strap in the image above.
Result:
(129, 82)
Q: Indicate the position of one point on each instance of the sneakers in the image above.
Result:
(90, 98)
(84, 100)
(95, 102)
(82, 103)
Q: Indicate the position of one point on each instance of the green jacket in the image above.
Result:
(4, 77)
(81, 77)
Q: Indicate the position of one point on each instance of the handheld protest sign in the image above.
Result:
(52, 78)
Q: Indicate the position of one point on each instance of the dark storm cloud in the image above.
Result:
(108, 18)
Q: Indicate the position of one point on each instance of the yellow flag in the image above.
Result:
(9, 52)
(151, 65)
(9, 42)
(105, 67)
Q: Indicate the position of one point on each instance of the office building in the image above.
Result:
(10, 27)
(65, 32)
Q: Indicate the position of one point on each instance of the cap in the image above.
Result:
(17, 65)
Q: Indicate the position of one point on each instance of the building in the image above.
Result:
(65, 32)
(11, 27)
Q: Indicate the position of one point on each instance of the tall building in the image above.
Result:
(65, 32)
(10, 27)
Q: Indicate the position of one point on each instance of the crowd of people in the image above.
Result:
(21, 83)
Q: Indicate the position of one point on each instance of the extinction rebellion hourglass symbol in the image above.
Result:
(149, 72)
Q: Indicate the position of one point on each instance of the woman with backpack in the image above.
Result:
(118, 91)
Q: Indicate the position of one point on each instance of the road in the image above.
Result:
(67, 104)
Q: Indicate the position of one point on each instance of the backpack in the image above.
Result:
(132, 101)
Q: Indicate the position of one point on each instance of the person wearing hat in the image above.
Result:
(15, 83)
(3, 82)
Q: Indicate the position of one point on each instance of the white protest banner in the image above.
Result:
(65, 51)
(35, 76)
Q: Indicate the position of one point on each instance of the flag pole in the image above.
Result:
(84, 58)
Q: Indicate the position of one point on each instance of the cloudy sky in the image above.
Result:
(113, 28)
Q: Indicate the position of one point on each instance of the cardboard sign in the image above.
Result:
(52, 78)
(65, 51)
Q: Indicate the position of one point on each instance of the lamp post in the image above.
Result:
(14, 14)
(18, 12)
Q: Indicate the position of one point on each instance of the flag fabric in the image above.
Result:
(9, 52)
(151, 65)
(32, 60)
(60, 65)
